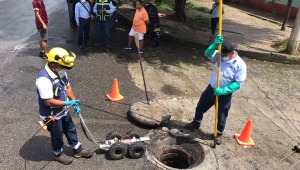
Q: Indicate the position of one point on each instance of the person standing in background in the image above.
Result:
(83, 20)
(71, 10)
(103, 9)
(140, 22)
(41, 21)
(215, 12)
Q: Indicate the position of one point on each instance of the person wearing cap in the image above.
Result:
(55, 95)
(233, 74)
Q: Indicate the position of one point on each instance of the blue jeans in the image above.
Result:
(103, 25)
(71, 10)
(207, 100)
(60, 127)
(84, 30)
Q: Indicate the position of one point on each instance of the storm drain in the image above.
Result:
(175, 149)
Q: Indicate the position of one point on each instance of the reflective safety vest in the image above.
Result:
(103, 16)
(59, 93)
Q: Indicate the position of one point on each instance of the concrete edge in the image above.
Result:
(257, 55)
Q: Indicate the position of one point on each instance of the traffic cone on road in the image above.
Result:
(115, 95)
(244, 138)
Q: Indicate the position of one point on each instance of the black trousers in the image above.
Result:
(84, 31)
(214, 22)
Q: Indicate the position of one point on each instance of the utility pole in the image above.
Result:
(295, 36)
(287, 15)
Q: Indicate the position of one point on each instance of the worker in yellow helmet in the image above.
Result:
(54, 95)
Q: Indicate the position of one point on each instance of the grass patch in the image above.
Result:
(200, 20)
(281, 45)
(197, 7)
(166, 5)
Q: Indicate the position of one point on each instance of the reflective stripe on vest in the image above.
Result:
(59, 93)
(102, 15)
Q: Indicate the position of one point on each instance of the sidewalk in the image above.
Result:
(254, 33)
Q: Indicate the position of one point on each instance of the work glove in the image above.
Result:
(77, 109)
(228, 89)
(70, 102)
(214, 46)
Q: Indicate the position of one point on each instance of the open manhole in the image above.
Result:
(172, 149)
(177, 157)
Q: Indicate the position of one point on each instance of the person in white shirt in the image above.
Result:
(215, 12)
(54, 92)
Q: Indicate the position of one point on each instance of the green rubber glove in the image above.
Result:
(213, 47)
(70, 102)
(227, 90)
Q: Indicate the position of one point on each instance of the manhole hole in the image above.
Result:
(173, 149)
(177, 157)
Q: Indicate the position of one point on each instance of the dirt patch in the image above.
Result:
(268, 97)
(255, 32)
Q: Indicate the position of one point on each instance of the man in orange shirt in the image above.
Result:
(140, 22)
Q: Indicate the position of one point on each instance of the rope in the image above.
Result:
(294, 165)
(30, 140)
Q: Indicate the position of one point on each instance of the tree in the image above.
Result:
(179, 10)
(295, 36)
(287, 15)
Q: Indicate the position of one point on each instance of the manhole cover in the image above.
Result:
(174, 149)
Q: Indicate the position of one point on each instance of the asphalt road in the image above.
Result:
(91, 80)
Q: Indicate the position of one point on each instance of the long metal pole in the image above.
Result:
(137, 43)
(218, 73)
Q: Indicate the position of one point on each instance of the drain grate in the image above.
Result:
(177, 158)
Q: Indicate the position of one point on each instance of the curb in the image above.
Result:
(256, 55)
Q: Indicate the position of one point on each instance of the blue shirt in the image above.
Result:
(81, 12)
(233, 70)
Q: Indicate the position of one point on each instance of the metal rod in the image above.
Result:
(143, 77)
(137, 43)
(218, 73)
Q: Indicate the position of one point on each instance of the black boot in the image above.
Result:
(191, 126)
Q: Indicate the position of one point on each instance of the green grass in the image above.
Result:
(200, 20)
(197, 7)
(166, 5)
(281, 45)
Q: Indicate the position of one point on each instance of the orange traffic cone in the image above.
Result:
(115, 95)
(244, 138)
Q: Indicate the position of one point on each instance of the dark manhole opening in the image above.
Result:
(177, 158)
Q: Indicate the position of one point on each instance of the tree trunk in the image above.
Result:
(179, 10)
(287, 15)
(295, 36)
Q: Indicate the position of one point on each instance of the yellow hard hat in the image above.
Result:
(62, 57)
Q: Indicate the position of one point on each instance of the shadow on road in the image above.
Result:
(37, 149)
